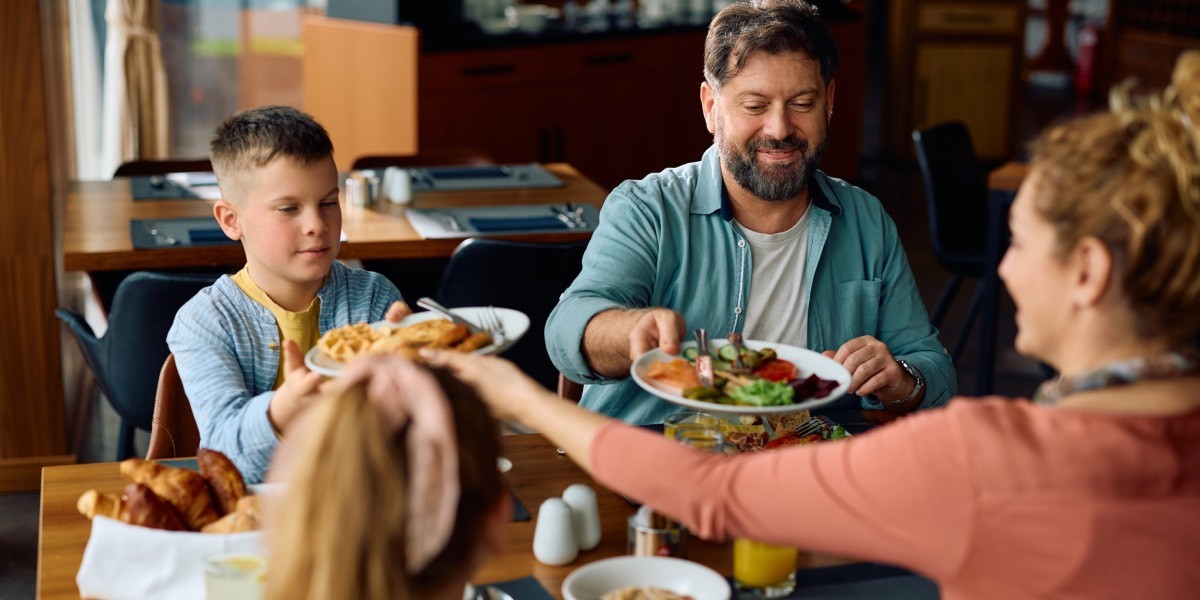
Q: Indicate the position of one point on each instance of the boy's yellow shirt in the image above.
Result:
(303, 328)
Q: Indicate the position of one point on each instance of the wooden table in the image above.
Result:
(97, 216)
(538, 473)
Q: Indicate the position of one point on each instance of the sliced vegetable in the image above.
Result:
(761, 392)
(691, 352)
(776, 370)
(727, 353)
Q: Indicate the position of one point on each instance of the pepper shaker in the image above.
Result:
(585, 515)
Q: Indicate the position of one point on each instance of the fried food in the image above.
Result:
(344, 343)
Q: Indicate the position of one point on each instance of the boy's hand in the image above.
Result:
(300, 388)
(398, 310)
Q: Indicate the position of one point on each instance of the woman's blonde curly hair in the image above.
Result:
(1130, 177)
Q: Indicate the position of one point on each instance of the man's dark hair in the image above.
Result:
(255, 137)
(774, 26)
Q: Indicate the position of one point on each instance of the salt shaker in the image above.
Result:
(585, 515)
(554, 535)
(397, 185)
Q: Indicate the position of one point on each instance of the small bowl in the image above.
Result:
(593, 580)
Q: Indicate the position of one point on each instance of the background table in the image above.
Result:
(97, 216)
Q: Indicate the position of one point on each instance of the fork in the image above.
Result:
(492, 323)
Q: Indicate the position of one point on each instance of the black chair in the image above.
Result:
(127, 360)
(524, 276)
(163, 166)
(956, 194)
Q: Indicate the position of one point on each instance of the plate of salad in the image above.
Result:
(771, 378)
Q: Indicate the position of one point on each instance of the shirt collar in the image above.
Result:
(711, 195)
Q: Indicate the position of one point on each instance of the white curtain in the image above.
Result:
(135, 85)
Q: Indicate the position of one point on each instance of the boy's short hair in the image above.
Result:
(251, 139)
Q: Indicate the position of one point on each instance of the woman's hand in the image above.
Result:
(508, 391)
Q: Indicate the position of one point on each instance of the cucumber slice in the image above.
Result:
(727, 353)
(720, 365)
(691, 353)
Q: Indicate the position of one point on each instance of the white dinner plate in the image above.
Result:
(807, 363)
(515, 325)
(593, 580)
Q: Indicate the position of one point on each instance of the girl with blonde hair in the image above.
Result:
(391, 489)
(1091, 492)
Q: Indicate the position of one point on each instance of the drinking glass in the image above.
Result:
(762, 570)
(234, 576)
(688, 419)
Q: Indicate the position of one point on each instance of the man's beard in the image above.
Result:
(775, 183)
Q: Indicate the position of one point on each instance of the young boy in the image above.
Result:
(239, 343)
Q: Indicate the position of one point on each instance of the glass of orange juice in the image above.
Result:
(688, 419)
(762, 570)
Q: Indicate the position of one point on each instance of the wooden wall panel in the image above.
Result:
(360, 82)
(31, 399)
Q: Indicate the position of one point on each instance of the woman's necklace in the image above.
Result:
(1125, 372)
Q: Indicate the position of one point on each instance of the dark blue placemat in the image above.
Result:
(176, 233)
(862, 581)
(486, 225)
(157, 187)
(525, 588)
(520, 513)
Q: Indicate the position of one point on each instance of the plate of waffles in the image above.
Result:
(414, 332)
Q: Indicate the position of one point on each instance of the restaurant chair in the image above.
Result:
(956, 195)
(127, 359)
(524, 276)
(161, 167)
(569, 390)
(428, 158)
(174, 433)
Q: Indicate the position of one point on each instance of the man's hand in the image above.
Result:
(656, 328)
(398, 310)
(614, 338)
(873, 370)
(300, 388)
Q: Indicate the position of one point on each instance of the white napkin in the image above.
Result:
(127, 561)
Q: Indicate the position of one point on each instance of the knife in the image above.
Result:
(433, 305)
(704, 367)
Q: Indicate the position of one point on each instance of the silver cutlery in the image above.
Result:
(433, 305)
(492, 323)
(485, 592)
(160, 235)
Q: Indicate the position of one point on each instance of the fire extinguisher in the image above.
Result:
(1088, 50)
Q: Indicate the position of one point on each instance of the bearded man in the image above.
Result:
(752, 239)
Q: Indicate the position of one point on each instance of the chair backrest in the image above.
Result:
(159, 167)
(524, 276)
(956, 195)
(174, 433)
(127, 359)
(428, 158)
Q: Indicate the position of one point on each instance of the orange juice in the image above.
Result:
(759, 565)
(687, 419)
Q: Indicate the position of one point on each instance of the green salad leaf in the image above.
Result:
(838, 433)
(762, 392)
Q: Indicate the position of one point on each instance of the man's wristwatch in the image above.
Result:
(917, 387)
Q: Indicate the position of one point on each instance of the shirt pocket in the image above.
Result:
(858, 309)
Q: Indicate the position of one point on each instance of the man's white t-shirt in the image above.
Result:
(777, 310)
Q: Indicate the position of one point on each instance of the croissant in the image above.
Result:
(223, 478)
(139, 506)
(245, 517)
(186, 491)
(93, 503)
(148, 510)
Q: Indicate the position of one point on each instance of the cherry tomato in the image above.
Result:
(776, 370)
